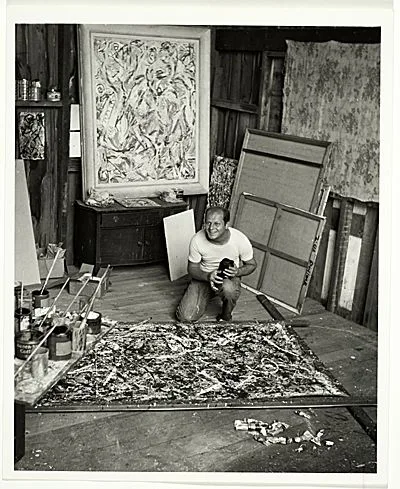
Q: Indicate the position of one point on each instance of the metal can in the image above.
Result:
(35, 92)
(60, 343)
(22, 319)
(22, 90)
(53, 95)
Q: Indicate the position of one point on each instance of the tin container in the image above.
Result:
(40, 363)
(93, 322)
(79, 332)
(40, 300)
(22, 319)
(25, 342)
(35, 91)
(53, 95)
(22, 89)
(17, 295)
(60, 343)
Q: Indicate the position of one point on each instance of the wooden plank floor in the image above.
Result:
(197, 441)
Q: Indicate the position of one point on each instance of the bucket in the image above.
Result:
(40, 300)
(22, 319)
(93, 322)
(25, 342)
(60, 343)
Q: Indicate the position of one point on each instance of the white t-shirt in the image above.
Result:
(209, 254)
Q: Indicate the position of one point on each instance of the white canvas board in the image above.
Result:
(179, 230)
(26, 264)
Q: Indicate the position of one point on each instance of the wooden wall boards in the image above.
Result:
(285, 240)
(281, 168)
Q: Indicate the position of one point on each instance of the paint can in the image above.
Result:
(22, 319)
(60, 343)
(79, 337)
(93, 322)
(25, 342)
(40, 299)
(40, 363)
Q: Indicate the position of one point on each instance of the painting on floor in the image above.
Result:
(166, 364)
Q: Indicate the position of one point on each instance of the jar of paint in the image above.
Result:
(22, 319)
(93, 322)
(60, 343)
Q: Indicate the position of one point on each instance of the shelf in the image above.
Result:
(40, 103)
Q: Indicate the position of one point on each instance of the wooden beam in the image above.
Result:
(237, 106)
(281, 403)
(273, 38)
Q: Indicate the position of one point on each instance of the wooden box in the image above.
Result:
(86, 270)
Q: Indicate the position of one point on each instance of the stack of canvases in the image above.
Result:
(278, 201)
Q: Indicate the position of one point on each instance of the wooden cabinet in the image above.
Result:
(118, 235)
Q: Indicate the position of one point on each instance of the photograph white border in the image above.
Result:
(378, 13)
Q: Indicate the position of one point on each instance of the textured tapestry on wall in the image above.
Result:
(31, 135)
(222, 180)
(332, 93)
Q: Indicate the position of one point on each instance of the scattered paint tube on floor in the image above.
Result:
(302, 413)
(268, 433)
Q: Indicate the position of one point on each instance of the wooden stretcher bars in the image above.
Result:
(285, 240)
(282, 168)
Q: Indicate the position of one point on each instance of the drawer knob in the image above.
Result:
(115, 218)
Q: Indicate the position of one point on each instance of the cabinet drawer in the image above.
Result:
(118, 219)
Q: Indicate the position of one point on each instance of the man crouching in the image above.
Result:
(215, 243)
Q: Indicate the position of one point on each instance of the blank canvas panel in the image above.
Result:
(285, 242)
(26, 268)
(256, 220)
(282, 280)
(253, 278)
(281, 168)
(179, 229)
(293, 233)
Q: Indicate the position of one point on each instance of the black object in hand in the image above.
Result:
(223, 265)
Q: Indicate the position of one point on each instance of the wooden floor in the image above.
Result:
(205, 440)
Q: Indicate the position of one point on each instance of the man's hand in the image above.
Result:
(231, 272)
(215, 280)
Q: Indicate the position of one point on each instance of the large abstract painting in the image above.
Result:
(145, 108)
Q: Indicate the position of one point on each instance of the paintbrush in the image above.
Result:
(49, 273)
(91, 302)
(54, 302)
(92, 298)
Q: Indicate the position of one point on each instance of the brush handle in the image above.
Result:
(51, 269)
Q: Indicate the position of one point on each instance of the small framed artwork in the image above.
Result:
(145, 98)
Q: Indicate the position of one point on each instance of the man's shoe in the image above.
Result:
(221, 317)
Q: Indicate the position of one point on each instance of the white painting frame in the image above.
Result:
(138, 138)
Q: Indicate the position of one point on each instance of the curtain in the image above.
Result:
(332, 93)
